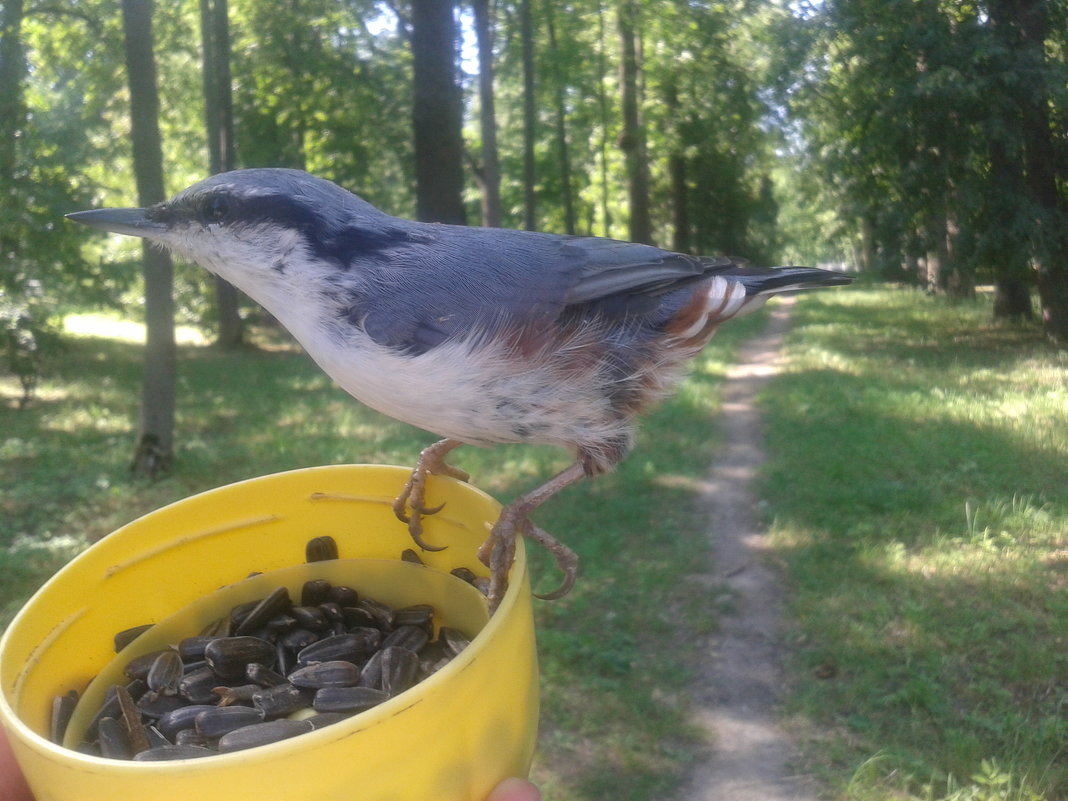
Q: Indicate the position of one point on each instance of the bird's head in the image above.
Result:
(264, 230)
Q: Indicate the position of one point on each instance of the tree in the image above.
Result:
(219, 122)
(322, 92)
(1023, 27)
(530, 101)
(567, 197)
(490, 170)
(17, 337)
(632, 140)
(437, 113)
(155, 437)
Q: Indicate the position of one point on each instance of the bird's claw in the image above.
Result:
(498, 553)
(567, 562)
(412, 497)
(401, 504)
(414, 521)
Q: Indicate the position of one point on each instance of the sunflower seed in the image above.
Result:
(184, 717)
(263, 675)
(138, 667)
(127, 636)
(344, 596)
(314, 592)
(310, 617)
(197, 685)
(154, 705)
(217, 721)
(347, 699)
(131, 719)
(274, 604)
(229, 656)
(240, 694)
(326, 674)
(165, 673)
(354, 646)
(62, 709)
(282, 700)
(411, 637)
(320, 549)
(113, 740)
(191, 649)
(262, 734)
(399, 669)
(166, 753)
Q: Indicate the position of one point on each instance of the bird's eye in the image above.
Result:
(215, 209)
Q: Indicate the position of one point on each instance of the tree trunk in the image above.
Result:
(1051, 253)
(209, 79)
(491, 170)
(563, 152)
(632, 142)
(867, 244)
(155, 438)
(1023, 27)
(1012, 299)
(219, 119)
(1008, 253)
(530, 199)
(12, 72)
(12, 120)
(680, 212)
(602, 103)
(437, 114)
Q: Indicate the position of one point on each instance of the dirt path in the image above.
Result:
(748, 756)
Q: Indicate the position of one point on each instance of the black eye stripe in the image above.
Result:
(215, 209)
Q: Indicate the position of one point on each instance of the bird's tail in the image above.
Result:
(771, 280)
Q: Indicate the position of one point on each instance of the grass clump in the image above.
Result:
(918, 494)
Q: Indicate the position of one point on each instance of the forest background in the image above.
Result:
(915, 139)
(917, 142)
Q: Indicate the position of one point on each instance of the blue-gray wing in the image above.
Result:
(452, 282)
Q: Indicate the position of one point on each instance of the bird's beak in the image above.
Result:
(132, 222)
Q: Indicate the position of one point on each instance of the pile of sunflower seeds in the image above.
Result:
(272, 669)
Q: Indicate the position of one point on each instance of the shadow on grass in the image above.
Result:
(924, 529)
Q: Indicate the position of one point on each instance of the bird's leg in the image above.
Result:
(413, 496)
(498, 551)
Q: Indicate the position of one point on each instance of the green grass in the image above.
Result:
(919, 496)
(614, 654)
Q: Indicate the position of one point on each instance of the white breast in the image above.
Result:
(478, 395)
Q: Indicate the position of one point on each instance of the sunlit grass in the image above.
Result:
(111, 326)
(919, 494)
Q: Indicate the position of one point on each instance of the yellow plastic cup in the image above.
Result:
(452, 737)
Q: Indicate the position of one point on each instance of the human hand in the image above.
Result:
(515, 790)
(13, 787)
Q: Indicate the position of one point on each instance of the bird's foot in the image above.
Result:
(410, 505)
(567, 562)
(498, 553)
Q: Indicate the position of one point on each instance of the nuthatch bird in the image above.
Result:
(479, 335)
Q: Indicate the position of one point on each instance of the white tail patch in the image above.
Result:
(724, 300)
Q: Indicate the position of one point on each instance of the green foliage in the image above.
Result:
(913, 113)
(316, 90)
